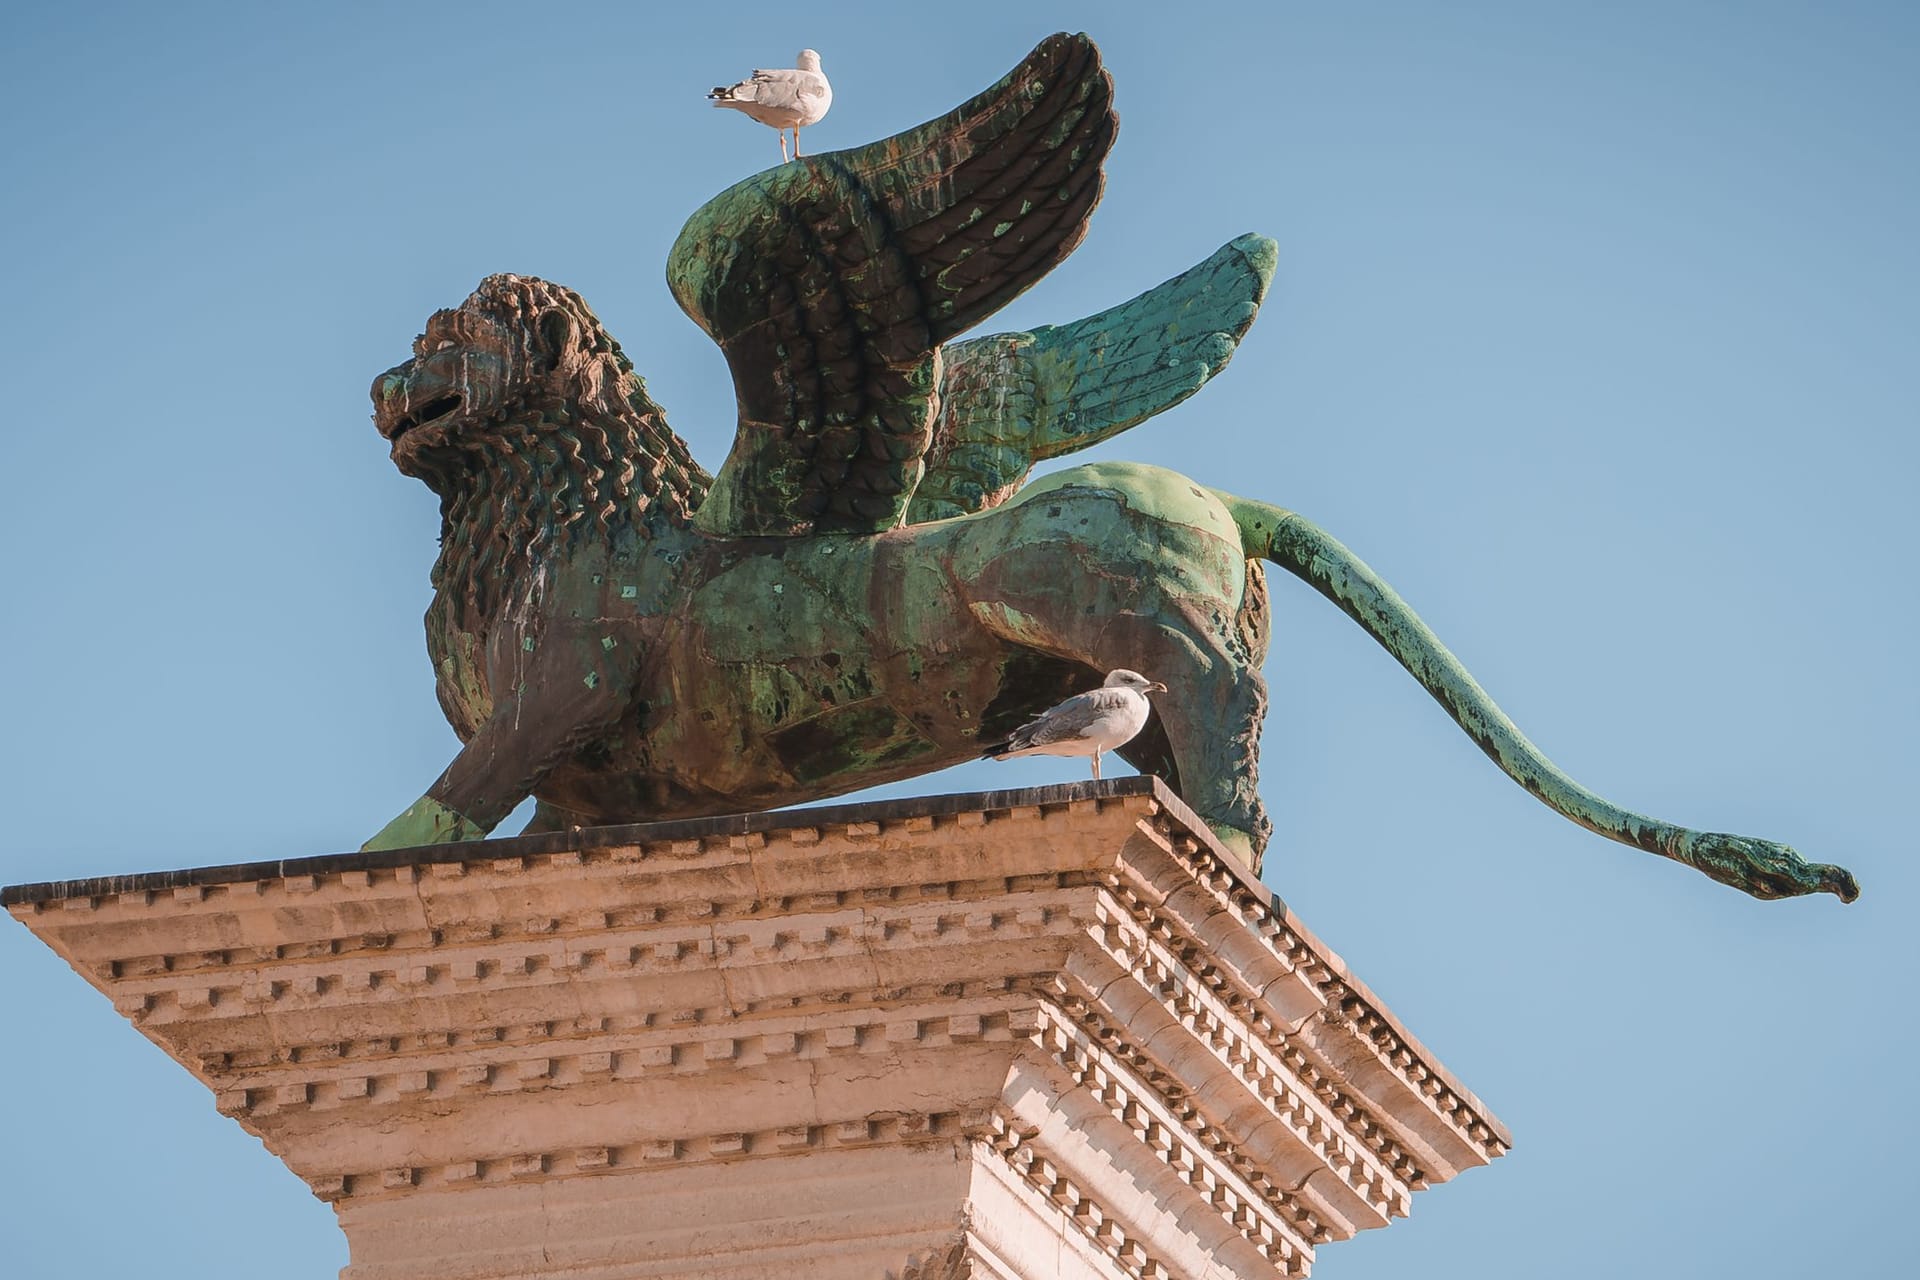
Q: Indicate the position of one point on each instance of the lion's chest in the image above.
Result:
(588, 612)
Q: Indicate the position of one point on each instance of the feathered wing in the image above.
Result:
(1011, 400)
(1068, 720)
(758, 88)
(786, 90)
(831, 282)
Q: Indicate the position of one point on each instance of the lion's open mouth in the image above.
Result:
(432, 411)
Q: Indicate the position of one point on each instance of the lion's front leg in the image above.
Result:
(565, 692)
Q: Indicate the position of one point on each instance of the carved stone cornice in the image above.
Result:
(1062, 1011)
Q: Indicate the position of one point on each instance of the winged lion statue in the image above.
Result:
(869, 589)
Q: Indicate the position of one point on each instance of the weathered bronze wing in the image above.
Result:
(1011, 400)
(831, 282)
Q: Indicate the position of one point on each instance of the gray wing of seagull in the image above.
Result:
(781, 97)
(1072, 718)
(780, 88)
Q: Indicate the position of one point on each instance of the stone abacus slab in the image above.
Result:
(1039, 1033)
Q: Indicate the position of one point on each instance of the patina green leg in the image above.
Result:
(1159, 586)
(425, 822)
(567, 686)
(1212, 721)
(1238, 843)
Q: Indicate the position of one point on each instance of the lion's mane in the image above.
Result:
(577, 448)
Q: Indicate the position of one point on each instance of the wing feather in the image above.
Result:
(1011, 400)
(830, 283)
(1071, 718)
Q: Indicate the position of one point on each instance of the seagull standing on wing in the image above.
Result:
(782, 98)
(1086, 724)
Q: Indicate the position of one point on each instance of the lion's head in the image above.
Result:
(520, 410)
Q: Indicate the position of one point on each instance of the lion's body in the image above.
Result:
(605, 641)
(767, 671)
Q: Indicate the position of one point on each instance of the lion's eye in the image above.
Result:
(444, 345)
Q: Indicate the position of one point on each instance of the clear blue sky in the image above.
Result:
(1595, 331)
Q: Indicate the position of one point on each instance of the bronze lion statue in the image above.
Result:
(865, 591)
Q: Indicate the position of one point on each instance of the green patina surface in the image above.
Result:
(426, 821)
(865, 592)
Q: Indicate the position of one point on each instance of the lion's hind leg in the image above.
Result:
(1203, 639)
(1210, 718)
(1204, 738)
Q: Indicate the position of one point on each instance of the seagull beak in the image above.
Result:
(1156, 687)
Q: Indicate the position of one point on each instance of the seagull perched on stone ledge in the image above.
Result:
(782, 98)
(1086, 724)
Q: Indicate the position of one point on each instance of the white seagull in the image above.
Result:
(1087, 723)
(782, 98)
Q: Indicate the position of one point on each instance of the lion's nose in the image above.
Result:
(392, 386)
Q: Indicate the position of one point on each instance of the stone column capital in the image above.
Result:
(930, 1038)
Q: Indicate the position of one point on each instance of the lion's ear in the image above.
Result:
(555, 330)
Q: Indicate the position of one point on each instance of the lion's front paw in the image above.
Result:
(426, 822)
(1238, 843)
(1763, 868)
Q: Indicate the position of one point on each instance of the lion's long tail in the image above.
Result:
(1759, 867)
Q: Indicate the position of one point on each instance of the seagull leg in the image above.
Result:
(796, 142)
(783, 146)
(1096, 766)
